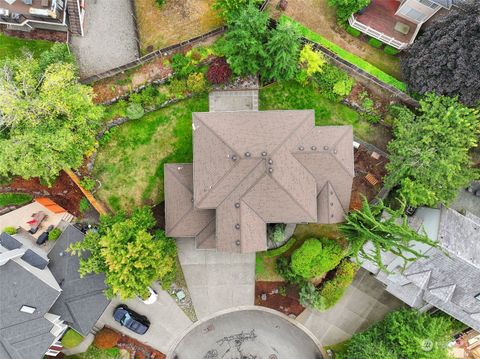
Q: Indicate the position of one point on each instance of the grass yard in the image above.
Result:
(174, 22)
(14, 199)
(320, 18)
(293, 96)
(95, 353)
(265, 262)
(12, 46)
(130, 164)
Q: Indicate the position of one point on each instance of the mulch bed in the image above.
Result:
(287, 304)
(365, 164)
(37, 34)
(138, 350)
(159, 214)
(63, 192)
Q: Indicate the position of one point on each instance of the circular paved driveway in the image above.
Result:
(247, 333)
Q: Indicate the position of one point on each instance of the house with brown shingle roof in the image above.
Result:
(251, 168)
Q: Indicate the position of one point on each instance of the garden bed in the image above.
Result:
(63, 191)
(279, 296)
(174, 22)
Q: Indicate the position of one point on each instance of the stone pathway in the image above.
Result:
(365, 302)
(216, 280)
(238, 100)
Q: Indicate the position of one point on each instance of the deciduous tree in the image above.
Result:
(345, 8)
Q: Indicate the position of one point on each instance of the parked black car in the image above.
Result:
(129, 319)
(44, 236)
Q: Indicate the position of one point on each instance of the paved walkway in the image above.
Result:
(167, 320)
(109, 40)
(216, 280)
(238, 100)
(365, 302)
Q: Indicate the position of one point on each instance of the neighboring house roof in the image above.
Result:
(82, 300)
(53, 290)
(254, 168)
(448, 278)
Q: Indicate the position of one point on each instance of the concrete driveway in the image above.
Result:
(109, 40)
(167, 320)
(365, 302)
(216, 280)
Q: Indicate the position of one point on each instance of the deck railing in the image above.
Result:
(376, 34)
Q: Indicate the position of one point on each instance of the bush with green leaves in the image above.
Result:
(147, 97)
(14, 199)
(429, 155)
(316, 257)
(182, 66)
(88, 183)
(135, 111)
(244, 42)
(178, 87)
(283, 47)
(277, 234)
(228, 9)
(160, 3)
(284, 269)
(54, 234)
(354, 32)
(129, 252)
(84, 205)
(310, 62)
(390, 50)
(58, 53)
(375, 43)
(334, 83)
(71, 339)
(404, 334)
(9, 230)
(196, 83)
(345, 8)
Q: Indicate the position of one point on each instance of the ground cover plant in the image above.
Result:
(348, 56)
(129, 253)
(429, 155)
(48, 119)
(405, 333)
(14, 199)
(71, 339)
(12, 46)
(444, 59)
(173, 22)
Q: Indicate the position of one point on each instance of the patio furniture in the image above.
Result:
(4, 12)
(401, 27)
(36, 221)
(10, 2)
(371, 179)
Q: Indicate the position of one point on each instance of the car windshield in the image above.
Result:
(126, 319)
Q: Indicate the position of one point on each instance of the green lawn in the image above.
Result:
(130, 164)
(95, 353)
(12, 46)
(293, 96)
(14, 199)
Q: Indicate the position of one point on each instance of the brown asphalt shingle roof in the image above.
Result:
(253, 168)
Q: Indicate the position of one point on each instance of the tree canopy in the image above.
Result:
(429, 155)
(345, 8)
(386, 230)
(128, 253)
(405, 333)
(48, 121)
(444, 59)
(228, 9)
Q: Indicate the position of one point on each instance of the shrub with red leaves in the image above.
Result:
(106, 338)
(219, 71)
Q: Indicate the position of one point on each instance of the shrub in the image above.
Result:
(315, 257)
(135, 111)
(59, 52)
(277, 234)
(14, 199)
(196, 82)
(344, 8)
(284, 269)
(334, 83)
(177, 87)
(354, 32)
(106, 338)
(54, 234)
(160, 3)
(219, 71)
(311, 61)
(146, 97)
(375, 43)
(182, 66)
(390, 50)
(333, 290)
(280, 250)
(227, 9)
(84, 205)
(71, 339)
(10, 230)
(88, 183)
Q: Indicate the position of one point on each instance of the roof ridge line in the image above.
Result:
(282, 143)
(336, 159)
(174, 175)
(336, 195)
(203, 229)
(187, 212)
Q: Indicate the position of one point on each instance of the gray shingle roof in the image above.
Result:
(82, 300)
(449, 282)
(8, 242)
(34, 259)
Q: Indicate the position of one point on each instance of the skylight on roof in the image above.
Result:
(27, 309)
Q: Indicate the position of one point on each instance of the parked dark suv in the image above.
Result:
(129, 319)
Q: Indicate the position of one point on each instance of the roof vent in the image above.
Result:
(234, 158)
(331, 204)
(313, 148)
(270, 161)
(335, 151)
(237, 242)
(301, 148)
(270, 170)
(237, 205)
(27, 309)
(264, 153)
(237, 226)
(247, 154)
(325, 148)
